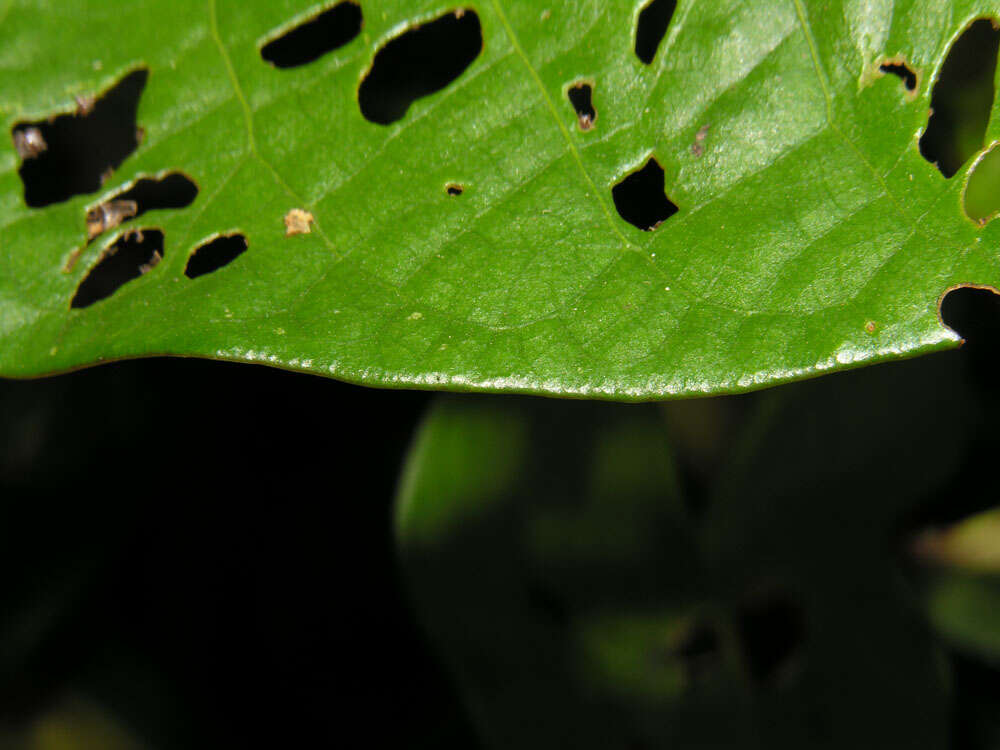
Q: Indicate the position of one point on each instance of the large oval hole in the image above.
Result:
(962, 98)
(420, 61)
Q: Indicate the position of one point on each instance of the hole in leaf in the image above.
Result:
(132, 255)
(981, 197)
(214, 254)
(580, 96)
(174, 190)
(641, 198)
(453, 188)
(902, 71)
(771, 631)
(654, 19)
(973, 312)
(418, 62)
(314, 37)
(962, 98)
(73, 154)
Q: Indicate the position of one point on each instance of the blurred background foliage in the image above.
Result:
(200, 555)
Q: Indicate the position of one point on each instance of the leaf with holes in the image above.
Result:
(630, 199)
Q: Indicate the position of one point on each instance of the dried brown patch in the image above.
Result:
(108, 216)
(298, 221)
(698, 147)
(29, 142)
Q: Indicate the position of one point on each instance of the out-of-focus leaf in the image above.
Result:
(73, 724)
(581, 602)
(966, 608)
(972, 544)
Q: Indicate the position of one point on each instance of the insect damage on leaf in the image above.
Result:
(651, 26)
(314, 37)
(899, 67)
(214, 254)
(109, 215)
(580, 96)
(962, 98)
(298, 221)
(641, 198)
(73, 154)
(973, 312)
(698, 147)
(418, 62)
(29, 142)
(173, 190)
(134, 253)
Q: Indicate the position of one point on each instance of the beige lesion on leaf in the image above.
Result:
(298, 221)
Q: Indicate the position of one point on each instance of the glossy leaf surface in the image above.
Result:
(810, 233)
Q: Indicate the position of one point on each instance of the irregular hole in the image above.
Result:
(418, 62)
(314, 37)
(174, 190)
(962, 98)
(73, 154)
(771, 632)
(453, 188)
(654, 19)
(580, 96)
(641, 198)
(902, 71)
(214, 254)
(973, 312)
(981, 197)
(132, 255)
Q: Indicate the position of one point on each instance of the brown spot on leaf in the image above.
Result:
(298, 221)
(698, 147)
(84, 104)
(29, 142)
(108, 216)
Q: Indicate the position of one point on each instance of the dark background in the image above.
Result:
(206, 549)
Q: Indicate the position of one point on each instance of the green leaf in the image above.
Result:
(74, 723)
(574, 587)
(810, 235)
(963, 606)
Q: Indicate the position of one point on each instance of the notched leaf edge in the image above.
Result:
(956, 287)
